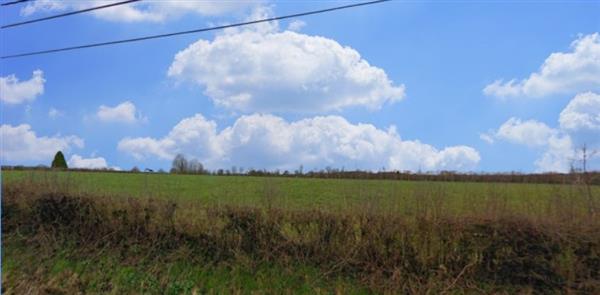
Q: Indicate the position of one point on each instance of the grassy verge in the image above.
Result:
(28, 269)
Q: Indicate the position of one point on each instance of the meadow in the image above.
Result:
(104, 232)
(403, 197)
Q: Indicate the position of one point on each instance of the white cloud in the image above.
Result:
(500, 88)
(559, 155)
(561, 73)
(582, 112)
(21, 144)
(581, 120)
(144, 11)
(530, 132)
(487, 137)
(43, 5)
(77, 161)
(267, 141)
(12, 91)
(141, 147)
(579, 125)
(54, 113)
(296, 25)
(557, 147)
(124, 112)
(261, 69)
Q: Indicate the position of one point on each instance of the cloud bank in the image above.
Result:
(270, 142)
(21, 144)
(77, 161)
(579, 125)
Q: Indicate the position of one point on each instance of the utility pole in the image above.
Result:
(585, 154)
(584, 150)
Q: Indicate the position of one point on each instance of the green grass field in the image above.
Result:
(102, 232)
(325, 194)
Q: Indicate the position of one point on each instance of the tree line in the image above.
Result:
(182, 165)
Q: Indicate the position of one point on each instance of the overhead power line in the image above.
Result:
(192, 31)
(14, 2)
(68, 13)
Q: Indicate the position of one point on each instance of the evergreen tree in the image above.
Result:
(59, 161)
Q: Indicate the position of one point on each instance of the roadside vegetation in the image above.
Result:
(82, 232)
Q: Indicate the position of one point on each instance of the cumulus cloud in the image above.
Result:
(144, 11)
(561, 73)
(579, 124)
(557, 146)
(124, 112)
(581, 119)
(559, 155)
(77, 161)
(267, 141)
(20, 143)
(263, 69)
(529, 132)
(582, 112)
(13, 91)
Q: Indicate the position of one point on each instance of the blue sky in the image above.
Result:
(404, 85)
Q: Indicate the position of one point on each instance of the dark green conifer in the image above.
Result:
(59, 161)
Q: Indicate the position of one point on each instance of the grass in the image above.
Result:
(77, 232)
(67, 270)
(457, 198)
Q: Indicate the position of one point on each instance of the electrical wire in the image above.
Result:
(68, 13)
(191, 31)
(14, 2)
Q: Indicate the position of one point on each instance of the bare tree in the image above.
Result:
(180, 164)
(195, 167)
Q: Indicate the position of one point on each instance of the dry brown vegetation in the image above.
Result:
(490, 251)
